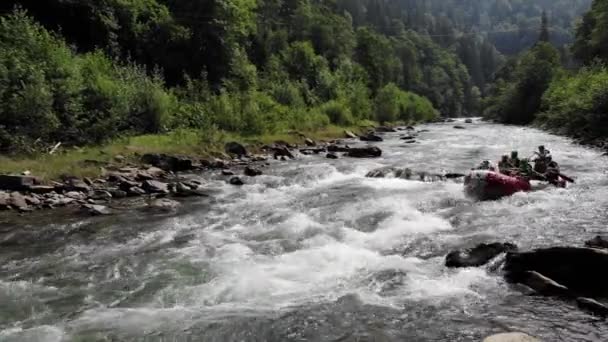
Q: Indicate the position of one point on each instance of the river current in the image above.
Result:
(310, 251)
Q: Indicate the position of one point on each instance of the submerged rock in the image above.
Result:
(252, 172)
(599, 241)
(582, 270)
(236, 181)
(371, 137)
(97, 210)
(459, 127)
(365, 152)
(511, 337)
(543, 285)
(478, 255)
(592, 306)
(331, 156)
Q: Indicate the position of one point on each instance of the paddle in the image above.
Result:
(566, 178)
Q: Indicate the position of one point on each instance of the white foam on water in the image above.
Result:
(43, 333)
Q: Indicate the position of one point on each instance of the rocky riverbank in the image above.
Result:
(157, 176)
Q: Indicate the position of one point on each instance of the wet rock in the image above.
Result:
(410, 128)
(126, 184)
(469, 121)
(168, 163)
(119, 158)
(282, 151)
(599, 241)
(370, 137)
(478, 255)
(118, 194)
(227, 173)
(582, 270)
(32, 200)
(365, 152)
(592, 306)
(385, 129)
(75, 184)
(96, 210)
(459, 127)
(235, 148)
(331, 156)
(408, 137)
(543, 285)
(454, 175)
(349, 134)
(309, 142)
(511, 337)
(135, 191)
(183, 190)
(336, 148)
(4, 201)
(155, 187)
(164, 204)
(236, 181)
(16, 183)
(18, 202)
(100, 195)
(252, 172)
(76, 195)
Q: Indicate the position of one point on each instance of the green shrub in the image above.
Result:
(338, 113)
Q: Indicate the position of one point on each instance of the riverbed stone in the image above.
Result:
(252, 172)
(4, 200)
(478, 255)
(136, 191)
(100, 195)
(331, 156)
(41, 189)
(600, 241)
(544, 286)
(76, 184)
(236, 181)
(371, 137)
(168, 162)
(97, 210)
(77, 195)
(164, 204)
(592, 306)
(365, 152)
(17, 201)
(511, 337)
(282, 151)
(155, 187)
(582, 270)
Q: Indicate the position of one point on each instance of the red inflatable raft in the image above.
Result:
(490, 185)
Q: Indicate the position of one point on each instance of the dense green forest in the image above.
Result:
(84, 71)
(536, 88)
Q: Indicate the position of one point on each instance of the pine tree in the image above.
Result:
(544, 29)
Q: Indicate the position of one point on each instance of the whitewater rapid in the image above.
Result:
(310, 251)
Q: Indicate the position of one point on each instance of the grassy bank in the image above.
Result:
(191, 143)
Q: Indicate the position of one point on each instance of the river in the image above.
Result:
(310, 251)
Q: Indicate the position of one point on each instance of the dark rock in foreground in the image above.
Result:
(364, 152)
(371, 137)
(582, 270)
(592, 306)
(235, 148)
(236, 181)
(477, 256)
(331, 156)
(598, 242)
(252, 172)
(459, 127)
(543, 285)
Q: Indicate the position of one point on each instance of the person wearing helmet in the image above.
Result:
(504, 166)
(542, 160)
(514, 160)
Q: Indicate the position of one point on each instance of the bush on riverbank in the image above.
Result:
(578, 104)
(394, 104)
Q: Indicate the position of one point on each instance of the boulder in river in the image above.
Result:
(370, 137)
(543, 285)
(459, 127)
(252, 172)
(511, 337)
(592, 306)
(17, 201)
(599, 241)
(96, 210)
(331, 156)
(235, 148)
(469, 121)
(337, 148)
(236, 181)
(75, 184)
(282, 151)
(582, 270)
(478, 255)
(364, 152)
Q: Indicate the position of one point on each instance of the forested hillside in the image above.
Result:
(86, 71)
(535, 88)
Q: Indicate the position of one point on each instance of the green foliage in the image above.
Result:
(578, 104)
(592, 34)
(393, 104)
(517, 98)
(50, 94)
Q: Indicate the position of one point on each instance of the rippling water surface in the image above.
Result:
(311, 251)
